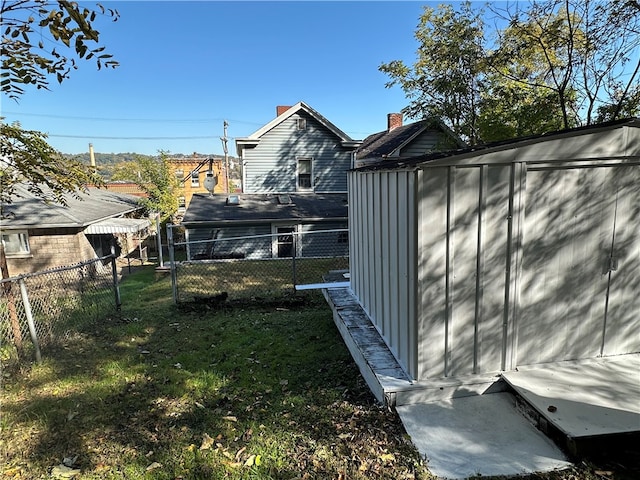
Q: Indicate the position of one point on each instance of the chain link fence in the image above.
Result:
(40, 309)
(259, 267)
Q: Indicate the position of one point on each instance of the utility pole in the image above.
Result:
(226, 154)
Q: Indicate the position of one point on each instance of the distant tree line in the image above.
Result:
(107, 162)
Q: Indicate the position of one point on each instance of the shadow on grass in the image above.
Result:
(247, 391)
(240, 390)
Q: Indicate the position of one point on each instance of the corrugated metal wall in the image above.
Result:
(511, 264)
(271, 165)
(463, 233)
(581, 264)
(383, 276)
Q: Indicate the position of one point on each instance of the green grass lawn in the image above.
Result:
(248, 391)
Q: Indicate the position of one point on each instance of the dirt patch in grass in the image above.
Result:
(240, 390)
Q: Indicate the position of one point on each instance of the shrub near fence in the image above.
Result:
(257, 267)
(39, 309)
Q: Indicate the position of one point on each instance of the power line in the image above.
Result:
(129, 138)
(104, 119)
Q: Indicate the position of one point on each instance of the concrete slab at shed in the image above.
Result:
(584, 398)
(479, 435)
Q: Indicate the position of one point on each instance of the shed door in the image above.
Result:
(581, 264)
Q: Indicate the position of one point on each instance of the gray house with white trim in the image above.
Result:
(399, 140)
(299, 151)
(294, 182)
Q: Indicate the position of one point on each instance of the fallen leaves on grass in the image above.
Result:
(154, 466)
(207, 442)
(62, 471)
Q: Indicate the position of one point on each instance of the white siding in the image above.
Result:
(622, 330)
(463, 235)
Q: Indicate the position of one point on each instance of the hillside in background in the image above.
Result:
(107, 161)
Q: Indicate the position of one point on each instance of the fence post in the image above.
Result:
(293, 259)
(159, 240)
(114, 274)
(172, 262)
(27, 310)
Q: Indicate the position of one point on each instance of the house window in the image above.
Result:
(304, 174)
(16, 244)
(302, 123)
(179, 174)
(182, 203)
(343, 237)
(195, 179)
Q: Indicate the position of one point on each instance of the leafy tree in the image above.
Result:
(26, 63)
(584, 51)
(446, 78)
(533, 56)
(623, 105)
(27, 158)
(556, 64)
(510, 110)
(154, 177)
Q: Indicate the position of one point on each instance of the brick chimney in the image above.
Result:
(394, 120)
(280, 109)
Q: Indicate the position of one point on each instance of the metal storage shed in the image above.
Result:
(511, 254)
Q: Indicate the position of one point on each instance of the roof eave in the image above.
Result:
(205, 223)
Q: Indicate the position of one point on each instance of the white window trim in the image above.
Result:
(274, 238)
(21, 254)
(298, 188)
(301, 123)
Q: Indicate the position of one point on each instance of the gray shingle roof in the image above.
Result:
(414, 162)
(29, 211)
(385, 143)
(256, 208)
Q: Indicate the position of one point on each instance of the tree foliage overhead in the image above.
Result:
(551, 64)
(30, 27)
(26, 157)
(445, 79)
(154, 177)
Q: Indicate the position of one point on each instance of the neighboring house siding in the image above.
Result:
(256, 248)
(426, 142)
(329, 244)
(272, 165)
(52, 248)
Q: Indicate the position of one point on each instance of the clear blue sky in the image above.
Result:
(185, 67)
